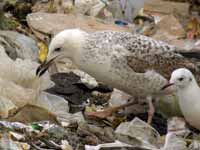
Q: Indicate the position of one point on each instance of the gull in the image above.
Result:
(133, 63)
(188, 93)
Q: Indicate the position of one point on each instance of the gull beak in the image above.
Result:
(166, 86)
(44, 66)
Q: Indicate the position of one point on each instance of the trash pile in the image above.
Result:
(49, 112)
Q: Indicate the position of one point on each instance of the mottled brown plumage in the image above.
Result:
(163, 66)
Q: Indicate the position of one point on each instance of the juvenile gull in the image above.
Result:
(188, 92)
(129, 62)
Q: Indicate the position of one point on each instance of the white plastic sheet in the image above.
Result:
(20, 86)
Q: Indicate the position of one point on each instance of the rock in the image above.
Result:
(30, 113)
(169, 29)
(138, 133)
(19, 45)
(96, 132)
(43, 24)
(166, 7)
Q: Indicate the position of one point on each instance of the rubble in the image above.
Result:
(166, 7)
(49, 113)
(133, 133)
(18, 45)
(170, 28)
(43, 24)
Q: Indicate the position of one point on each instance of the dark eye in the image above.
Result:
(181, 79)
(57, 50)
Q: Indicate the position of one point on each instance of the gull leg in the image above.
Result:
(151, 110)
(109, 111)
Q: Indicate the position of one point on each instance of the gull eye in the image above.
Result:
(57, 50)
(180, 79)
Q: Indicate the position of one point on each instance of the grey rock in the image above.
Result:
(18, 45)
(43, 24)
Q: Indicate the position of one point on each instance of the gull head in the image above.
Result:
(181, 78)
(65, 44)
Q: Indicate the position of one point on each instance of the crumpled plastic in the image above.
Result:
(19, 86)
(22, 72)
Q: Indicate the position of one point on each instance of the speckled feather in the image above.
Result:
(133, 63)
(136, 64)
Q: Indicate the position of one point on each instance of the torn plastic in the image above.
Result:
(174, 142)
(19, 86)
(138, 133)
(116, 144)
(22, 72)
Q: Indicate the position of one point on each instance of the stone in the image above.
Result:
(169, 29)
(18, 45)
(166, 7)
(43, 24)
(30, 113)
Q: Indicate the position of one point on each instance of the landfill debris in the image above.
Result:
(174, 142)
(169, 29)
(49, 113)
(194, 145)
(68, 119)
(21, 87)
(125, 9)
(116, 144)
(193, 28)
(133, 133)
(7, 143)
(42, 52)
(166, 7)
(38, 24)
(18, 45)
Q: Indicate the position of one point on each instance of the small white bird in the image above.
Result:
(188, 93)
(132, 63)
